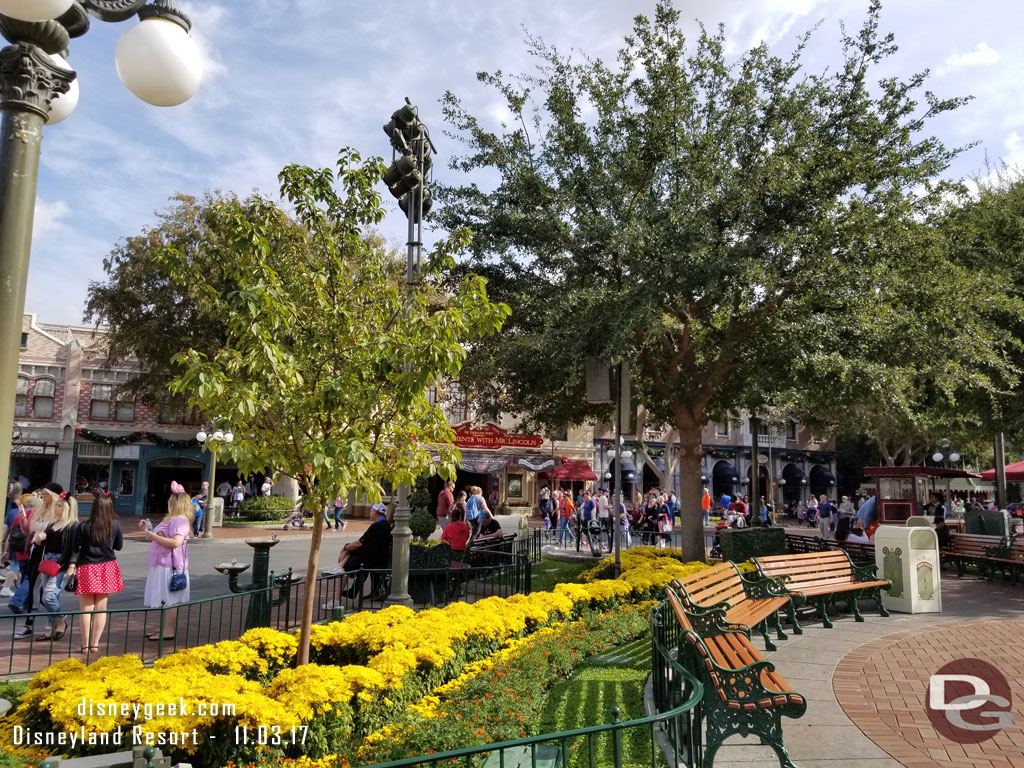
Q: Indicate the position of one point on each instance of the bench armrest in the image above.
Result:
(865, 572)
(763, 587)
(711, 621)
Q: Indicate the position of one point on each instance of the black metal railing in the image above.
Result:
(226, 617)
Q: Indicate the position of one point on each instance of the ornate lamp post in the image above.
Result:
(212, 441)
(156, 60)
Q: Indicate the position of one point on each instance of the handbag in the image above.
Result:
(71, 585)
(179, 579)
(49, 567)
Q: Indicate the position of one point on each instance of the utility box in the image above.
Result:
(216, 505)
(909, 558)
(989, 522)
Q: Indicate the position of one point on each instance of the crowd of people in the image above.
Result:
(49, 552)
(589, 517)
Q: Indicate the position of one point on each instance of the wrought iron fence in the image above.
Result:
(226, 617)
(672, 733)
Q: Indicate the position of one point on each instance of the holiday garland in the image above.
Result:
(134, 437)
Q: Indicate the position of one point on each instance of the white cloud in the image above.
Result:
(49, 219)
(981, 56)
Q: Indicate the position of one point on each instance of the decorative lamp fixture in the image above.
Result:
(156, 59)
(937, 457)
(782, 481)
(64, 104)
(34, 10)
(228, 437)
(218, 435)
(201, 436)
(954, 456)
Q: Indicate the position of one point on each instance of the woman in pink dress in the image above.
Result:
(168, 554)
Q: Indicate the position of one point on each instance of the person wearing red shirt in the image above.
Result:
(457, 532)
(445, 502)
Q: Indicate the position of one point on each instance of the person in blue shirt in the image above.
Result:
(726, 501)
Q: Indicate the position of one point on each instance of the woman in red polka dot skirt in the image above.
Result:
(95, 565)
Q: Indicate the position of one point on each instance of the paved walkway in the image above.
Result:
(865, 684)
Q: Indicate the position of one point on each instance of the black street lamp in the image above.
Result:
(407, 179)
(158, 62)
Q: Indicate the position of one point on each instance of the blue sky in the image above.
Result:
(295, 80)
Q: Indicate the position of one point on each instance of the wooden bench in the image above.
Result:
(743, 693)
(821, 576)
(751, 603)
(970, 549)
(1007, 557)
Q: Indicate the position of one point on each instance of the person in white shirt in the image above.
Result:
(267, 486)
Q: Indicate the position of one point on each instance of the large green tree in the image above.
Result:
(717, 222)
(325, 365)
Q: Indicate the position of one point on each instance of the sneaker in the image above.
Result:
(22, 633)
(6, 592)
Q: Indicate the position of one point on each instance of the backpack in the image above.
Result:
(16, 538)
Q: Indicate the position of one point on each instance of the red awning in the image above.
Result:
(573, 470)
(916, 472)
(1014, 473)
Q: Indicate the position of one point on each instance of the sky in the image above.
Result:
(293, 81)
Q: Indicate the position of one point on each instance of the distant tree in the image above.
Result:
(718, 223)
(324, 368)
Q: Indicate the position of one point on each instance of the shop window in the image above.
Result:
(42, 399)
(722, 429)
(92, 476)
(125, 407)
(24, 340)
(100, 406)
(21, 398)
(515, 487)
(791, 430)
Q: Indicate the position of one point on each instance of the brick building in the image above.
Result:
(77, 424)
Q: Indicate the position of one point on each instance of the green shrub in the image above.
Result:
(422, 524)
(739, 544)
(267, 507)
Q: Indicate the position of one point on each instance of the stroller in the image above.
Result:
(716, 548)
(297, 520)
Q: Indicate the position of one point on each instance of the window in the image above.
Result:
(722, 429)
(791, 430)
(21, 398)
(42, 399)
(125, 406)
(24, 340)
(100, 407)
(455, 406)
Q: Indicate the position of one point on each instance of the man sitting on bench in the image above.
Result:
(490, 529)
(373, 547)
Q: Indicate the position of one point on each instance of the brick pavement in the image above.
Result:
(882, 687)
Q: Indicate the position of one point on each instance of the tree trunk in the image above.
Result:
(309, 593)
(690, 488)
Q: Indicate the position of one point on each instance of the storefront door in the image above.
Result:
(125, 484)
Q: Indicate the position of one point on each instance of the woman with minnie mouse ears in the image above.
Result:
(168, 557)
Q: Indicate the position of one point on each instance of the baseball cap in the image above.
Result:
(380, 506)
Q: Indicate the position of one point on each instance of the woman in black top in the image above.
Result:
(56, 542)
(95, 564)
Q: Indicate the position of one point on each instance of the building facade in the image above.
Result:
(77, 424)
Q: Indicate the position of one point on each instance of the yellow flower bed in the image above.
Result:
(407, 654)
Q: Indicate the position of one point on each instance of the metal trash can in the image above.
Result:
(909, 558)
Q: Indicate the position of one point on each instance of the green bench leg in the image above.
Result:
(878, 599)
(766, 725)
(762, 627)
(777, 620)
(854, 607)
(823, 612)
(791, 613)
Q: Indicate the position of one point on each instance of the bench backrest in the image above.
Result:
(973, 543)
(719, 584)
(812, 569)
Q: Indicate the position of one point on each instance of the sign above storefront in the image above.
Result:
(483, 464)
(493, 436)
(34, 449)
(536, 464)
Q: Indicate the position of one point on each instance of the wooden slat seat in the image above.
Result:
(750, 603)
(820, 576)
(969, 549)
(743, 692)
(1008, 557)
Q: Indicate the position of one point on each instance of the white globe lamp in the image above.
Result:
(228, 437)
(158, 62)
(34, 10)
(218, 435)
(201, 436)
(954, 457)
(62, 106)
(937, 457)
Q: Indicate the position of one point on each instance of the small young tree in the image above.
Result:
(326, 364)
